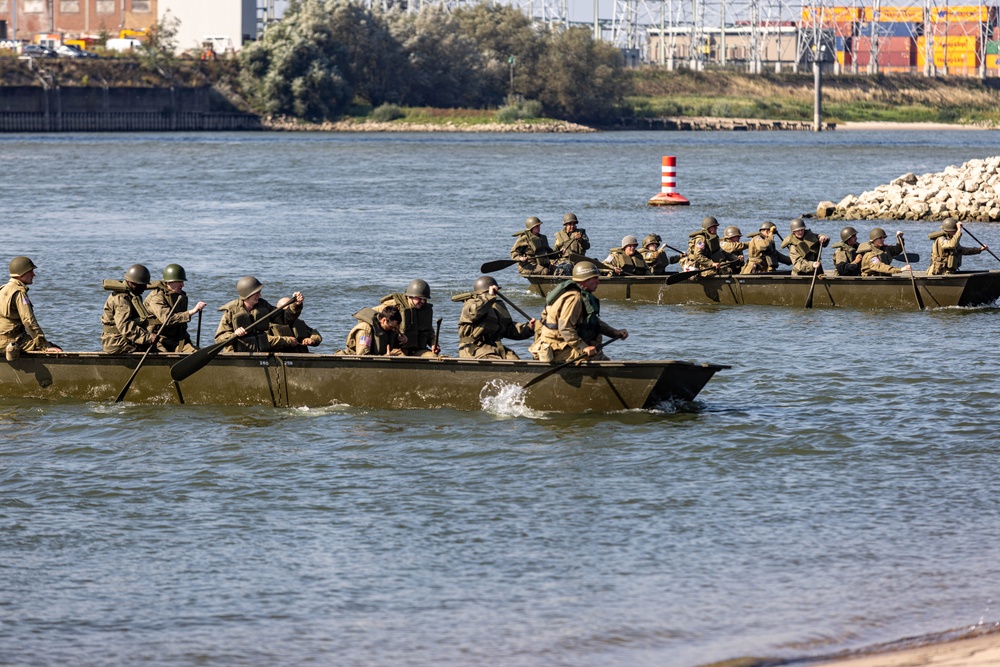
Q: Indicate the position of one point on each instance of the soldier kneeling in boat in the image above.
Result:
(762, 256)
(804, 248)
(417, 313)
(531, 250)
(947, 251)
(627, 260)
(241, 313)
(570, 326)
(19, 330)
(847, 256)
(656, 258)
(376, 333)
(298, 329)
(162, 299)
(127, 324)
(485, 321)
(877, 259)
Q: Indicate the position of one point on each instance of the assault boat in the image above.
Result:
(971, 288)
(314, 380)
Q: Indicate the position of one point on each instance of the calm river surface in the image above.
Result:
(834, 489)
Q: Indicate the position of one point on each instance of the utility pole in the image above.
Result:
(818, 87)
(511, 60)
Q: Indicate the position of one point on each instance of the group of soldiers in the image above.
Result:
(708, 254)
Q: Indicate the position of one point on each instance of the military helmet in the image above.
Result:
(630, 240)
(21, 265)
(173, 273)
(652, 238)
(570, 219)
(949, 225)
(796, 225)
(767, 225)
(731, 231)
(708, 222)
(532, 222)
(137, 273)
(420, 288)
(584, 271)
(247, 286)
(483, 284)
(877, 233)
(847, 232)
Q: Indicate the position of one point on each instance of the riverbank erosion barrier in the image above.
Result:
(967, 192)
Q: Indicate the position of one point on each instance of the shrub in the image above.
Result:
(387, 113)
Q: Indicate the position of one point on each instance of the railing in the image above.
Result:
(125, 121)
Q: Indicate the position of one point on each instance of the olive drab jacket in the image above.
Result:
(127, 325)
(368, 337)
(762, 256)
(698, 259)
(803, 252)
(484, 322)
(566, 245)
(298, 330)
(633, 265)
(878, 261)
(570, 321)
(713, 245)
(657, 261)
(174, 335)
(844, 257)
(17, 319)
(531, 246)
(417, 325)
(260, 338)
(946, 253)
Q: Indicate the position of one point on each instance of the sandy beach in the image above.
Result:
(878, 125)
(975, 648)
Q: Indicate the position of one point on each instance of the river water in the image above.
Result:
(834, 489)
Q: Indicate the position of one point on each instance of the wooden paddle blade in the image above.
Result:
(675, 278)
(497, 265)
(195, 361)
(907, 258)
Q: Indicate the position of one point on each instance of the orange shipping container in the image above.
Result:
(830, 15)
(960, 13)
(895, 15)
(957, 52)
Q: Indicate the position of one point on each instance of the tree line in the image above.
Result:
(325, 55)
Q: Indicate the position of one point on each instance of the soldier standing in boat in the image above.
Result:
(877, 260)
(298, 329)
(127, 324)
(376, 333)
(947, 251)
(762, 256)
(657, 259)
(627, 260)
(530, 248)
(244, 311)
(19, 330)
(485, 321)
(846, 257)
(571, 240)
(159, 302)
(570, 326)
(415, 307)
(803, 248)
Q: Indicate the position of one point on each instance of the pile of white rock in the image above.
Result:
(969, 192)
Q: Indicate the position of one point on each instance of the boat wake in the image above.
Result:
(506, 400)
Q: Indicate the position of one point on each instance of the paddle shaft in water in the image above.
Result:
(913, 280)
(121, 394)
(812, 286)
(539, 378)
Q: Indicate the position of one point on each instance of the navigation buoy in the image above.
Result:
(668, 195)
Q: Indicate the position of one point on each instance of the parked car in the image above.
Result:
(123, 44)
(37, 51)
(70, 51)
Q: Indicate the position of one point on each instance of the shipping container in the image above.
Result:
(828, 16)
(991, 61)
(894, 14)
(960, 13)
(992, 47)
(900, 52)
(958, 29)
(957, 52)
(896, 29)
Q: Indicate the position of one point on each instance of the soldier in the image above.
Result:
(847, 258)
(878, 258)
(298, 329)
(240, 313)
(803, 248)
(415, 308)
(709, 226)
(485, 321)
(947, 251)
(571, 240)
(127, 325)
(657, 259)
(627, 260)
(698, 259)
(571, 326)
(159, 301)
(376, 333)
(732, 244)
(529, 248)
(762, 256)
(19, 330)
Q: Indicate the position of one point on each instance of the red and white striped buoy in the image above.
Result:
(668, 195)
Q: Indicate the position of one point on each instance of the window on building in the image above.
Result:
(141, 6)
(33, 7)
(106, 6)
(69, 6)
(4, 6)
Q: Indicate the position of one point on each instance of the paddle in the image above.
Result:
(913, 280)
(573, 257)
(675, 278)
(513, 305)
(121, 394)
(539, 378)
(980, 242)
(907, 257)
(195, 361)
(437, 335)
(198, 338)
(812, 286)
(498, 264)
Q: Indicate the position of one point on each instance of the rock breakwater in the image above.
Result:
(967, 192)
(350, 125)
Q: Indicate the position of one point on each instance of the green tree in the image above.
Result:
(580, 79)
(376, 64)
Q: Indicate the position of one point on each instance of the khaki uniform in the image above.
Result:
(762, 256)
(531, 245)
(260, 338)
(633, 265)
(127, 325)
(569, 323)
(484, 322)
(174, 336)
(700, 260)
(947, 253)
(877, 261)
(565, 245)
(368, 337)
(657, 261)
(843, 260)
(17, 319)
(417, 325)
(734, 250)
(713, 249)
(803, 252)
(298, 330)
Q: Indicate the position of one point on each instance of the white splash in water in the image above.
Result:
(506, 400)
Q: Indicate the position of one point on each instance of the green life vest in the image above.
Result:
(589, 327)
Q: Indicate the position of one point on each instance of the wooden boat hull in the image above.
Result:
(312, 380)
(784, 289)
